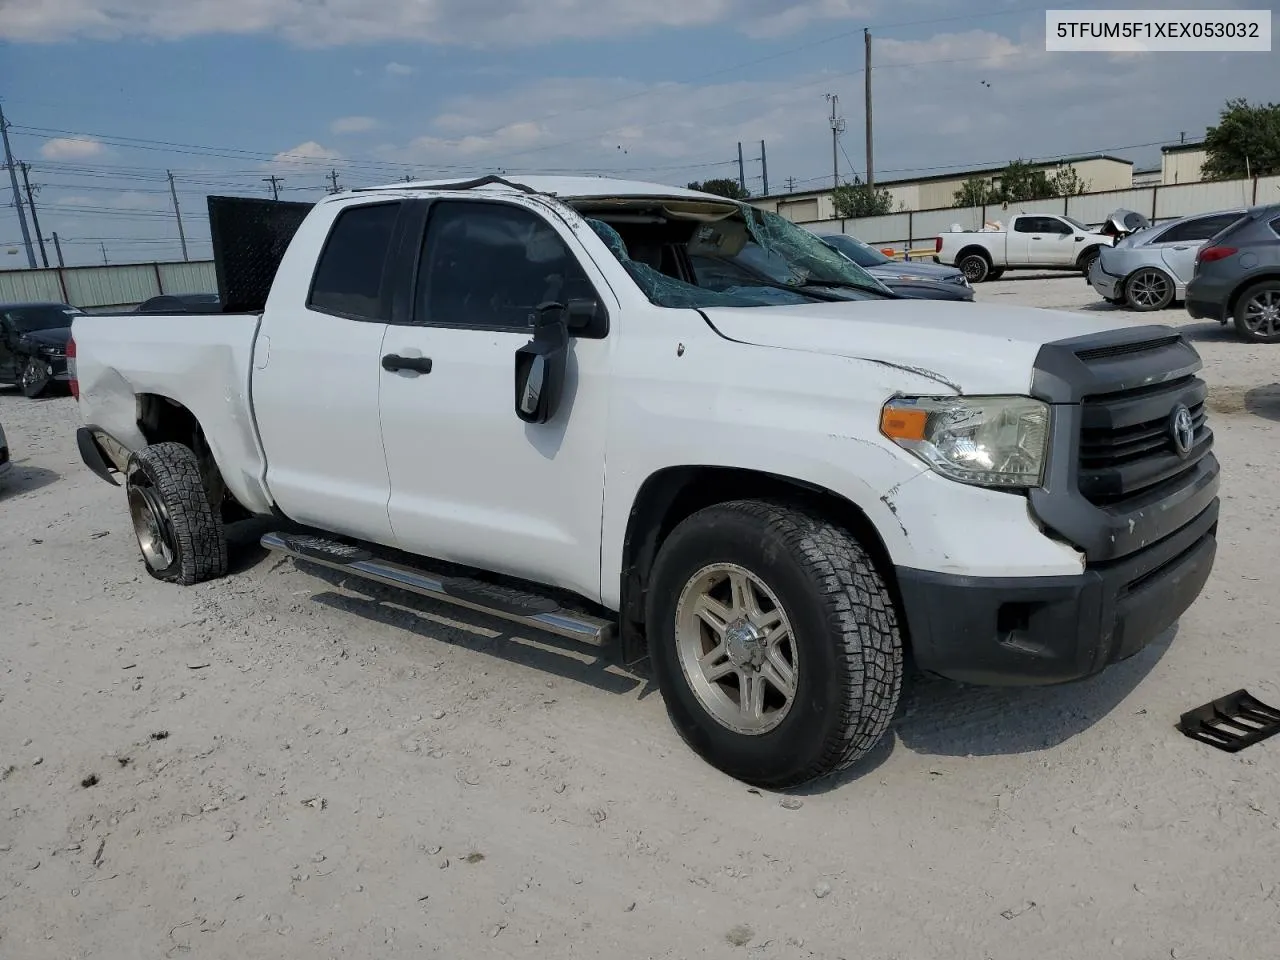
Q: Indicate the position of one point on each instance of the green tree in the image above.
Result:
(857, 199)
(1021, 181)
(722, 187)
(1246, 142)
(975, 192)
(1067, 183)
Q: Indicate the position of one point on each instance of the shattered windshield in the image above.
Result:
(753, 259)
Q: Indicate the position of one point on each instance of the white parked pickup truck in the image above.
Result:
(1033, 241)
(520, 397)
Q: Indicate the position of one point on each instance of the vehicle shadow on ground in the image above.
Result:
(25, 479)
(244, 549)
(1212, 332)
(944, 719)
(1262, 401)
(478, 632)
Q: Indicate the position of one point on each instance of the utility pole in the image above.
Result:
(837, 128)
(791, 184)
(17, 196)
(31, 202)
(333, 179)
(105, 262)
(275, 185)
(408, 178)
(182, 234)
(58, 247)
(742, 173)
(764, 169)
(871, 173)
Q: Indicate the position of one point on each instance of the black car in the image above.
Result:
(182, 303)
(1237, 276)
(907, 278)
(33, 344)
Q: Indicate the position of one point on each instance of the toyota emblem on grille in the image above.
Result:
(1182, 429)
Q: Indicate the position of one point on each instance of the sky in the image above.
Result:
(105, 97)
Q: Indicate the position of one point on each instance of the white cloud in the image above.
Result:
(309, 157)
(398, 69)
(71, 148)
(337, 22)
(352, 125)
(933, 113)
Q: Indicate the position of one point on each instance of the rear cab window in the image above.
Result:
(349, 277)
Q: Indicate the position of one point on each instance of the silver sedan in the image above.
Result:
(1149, 269)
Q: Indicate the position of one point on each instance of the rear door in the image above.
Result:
(316, 370)
(1179, 244)
(471, 482)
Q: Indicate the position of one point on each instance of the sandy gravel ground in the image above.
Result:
(281, 765)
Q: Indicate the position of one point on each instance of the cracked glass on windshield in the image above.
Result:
(752, 258)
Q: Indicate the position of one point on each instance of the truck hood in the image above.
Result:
(970, 348)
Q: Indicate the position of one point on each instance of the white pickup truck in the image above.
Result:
(1033, 241)
(522, 398)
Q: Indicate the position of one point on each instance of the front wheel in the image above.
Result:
(1087, 260)
(179, 533)
(775, 642)
(34, 379)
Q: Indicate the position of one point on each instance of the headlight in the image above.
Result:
(986, 441)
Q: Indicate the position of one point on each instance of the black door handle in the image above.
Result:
(393, 362)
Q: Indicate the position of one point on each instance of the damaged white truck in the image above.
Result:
(581, 405)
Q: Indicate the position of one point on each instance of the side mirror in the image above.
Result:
(581, 314)
(540, 364)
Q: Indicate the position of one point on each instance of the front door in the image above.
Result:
(470, 482)
(8, 359)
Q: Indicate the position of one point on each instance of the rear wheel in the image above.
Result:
(179, 533)
(975, 267)
(1148, 289)
(775, 642)
(1257, 313)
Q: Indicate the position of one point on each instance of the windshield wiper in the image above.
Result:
(847, 285)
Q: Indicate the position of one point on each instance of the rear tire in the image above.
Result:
(975, 267)
(1148, 289)
(179, 533)
(1257, 313)
(819, 640)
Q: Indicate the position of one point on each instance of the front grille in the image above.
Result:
(1127, 448)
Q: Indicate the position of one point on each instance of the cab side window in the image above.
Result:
(349, 275)
(489, 265)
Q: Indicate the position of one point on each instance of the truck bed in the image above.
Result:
(206, 360)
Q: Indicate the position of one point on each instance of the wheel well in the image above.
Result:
(1240, 289)
(1096, 249)
(983, 252)
(162, 420)
(671, 495)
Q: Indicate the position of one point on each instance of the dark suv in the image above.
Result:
(1237, 276)
(33, 344)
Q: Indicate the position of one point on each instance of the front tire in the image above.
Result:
(775, 642)
(34, 379)
(179, 533)
(1257, 313)
(1086, 261)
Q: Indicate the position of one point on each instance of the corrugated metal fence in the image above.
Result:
(117, 287)
(1158, 203)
